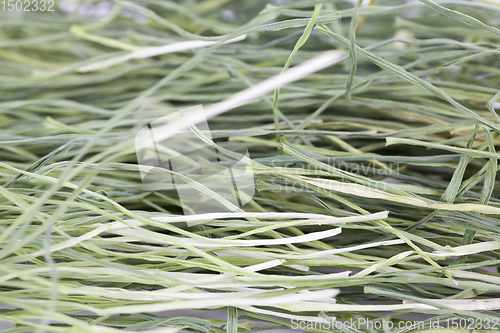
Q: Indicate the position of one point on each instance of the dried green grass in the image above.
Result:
(372, 134)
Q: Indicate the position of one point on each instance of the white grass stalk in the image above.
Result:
(149, 52)
(468, 249)
(322, 61)
(299, 299)
(315, 254)
(199, 218)
(70, 242)
(463, 305)
(265, 265)
(214, 243)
